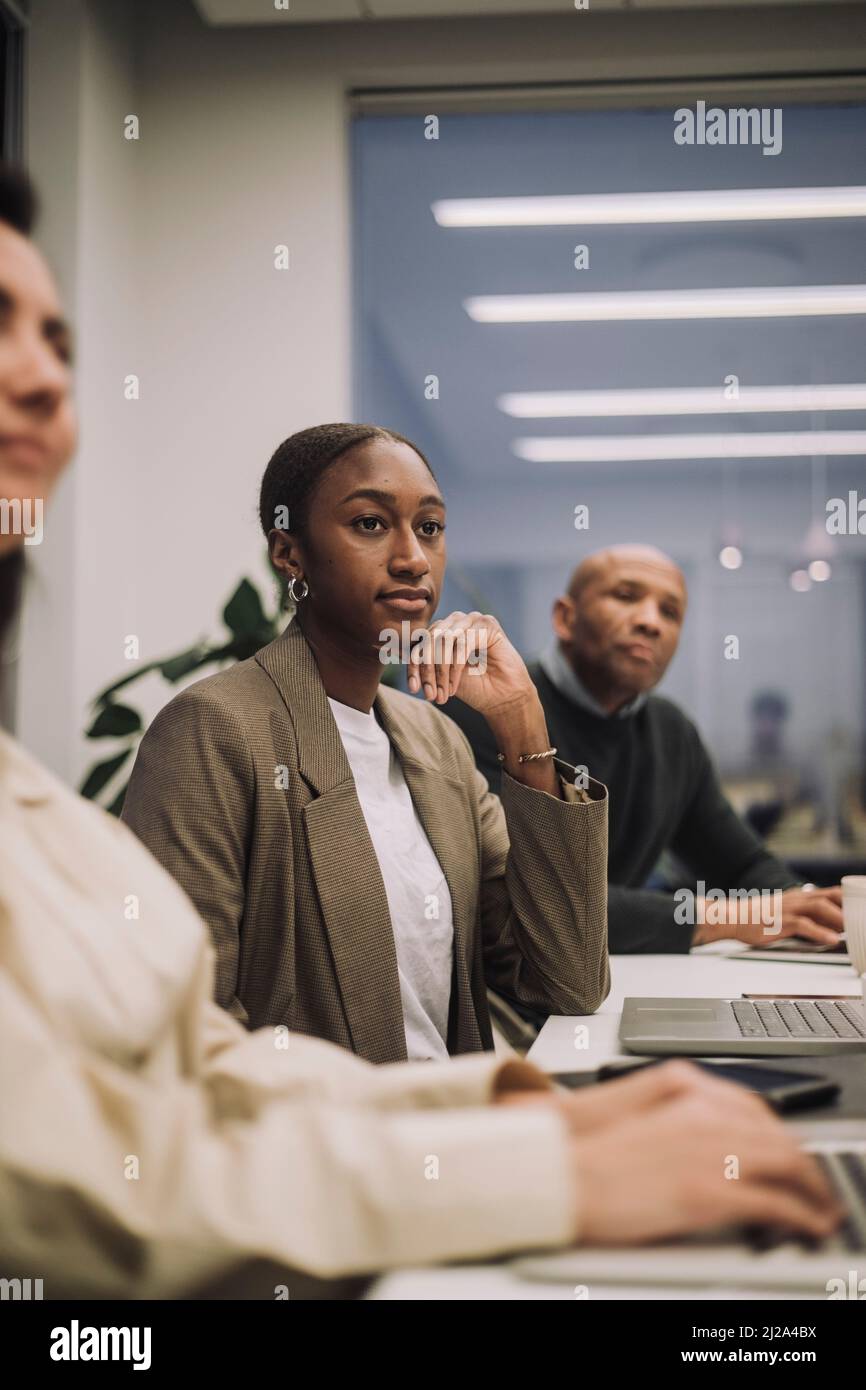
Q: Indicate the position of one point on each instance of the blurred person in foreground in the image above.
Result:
(616, 631)
(151, 1147)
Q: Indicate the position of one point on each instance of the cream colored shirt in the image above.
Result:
(149, 1144)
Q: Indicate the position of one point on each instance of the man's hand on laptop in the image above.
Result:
(813, 913)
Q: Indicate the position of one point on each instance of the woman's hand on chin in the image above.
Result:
(468, 654)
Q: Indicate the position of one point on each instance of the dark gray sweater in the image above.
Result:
(664, 795)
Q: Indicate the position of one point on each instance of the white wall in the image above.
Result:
(82, 592)
(165, 249)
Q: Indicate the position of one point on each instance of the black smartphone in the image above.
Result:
(784, 1091)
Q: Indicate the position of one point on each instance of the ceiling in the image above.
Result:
(412, 278)
(335, 11)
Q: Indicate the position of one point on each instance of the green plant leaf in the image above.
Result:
(244, 647)
(106, 694)
(176, 667)
(117, 804)
(251, 628)
(100, 775)
(114, 721)
(243, 614)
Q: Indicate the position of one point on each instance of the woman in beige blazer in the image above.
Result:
(361, 882)
(152, 1147)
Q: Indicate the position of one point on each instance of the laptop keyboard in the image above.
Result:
(846, 1172)
(735, 1258)
(802, 1018)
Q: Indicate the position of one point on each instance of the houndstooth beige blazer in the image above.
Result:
(243, 791)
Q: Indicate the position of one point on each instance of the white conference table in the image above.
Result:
(583, 1044)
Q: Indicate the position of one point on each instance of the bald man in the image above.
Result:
(617, 629)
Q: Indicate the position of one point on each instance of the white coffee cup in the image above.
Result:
(854, 917)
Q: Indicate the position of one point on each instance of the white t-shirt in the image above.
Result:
(419, 899)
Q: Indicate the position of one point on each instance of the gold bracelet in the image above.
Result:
(531, 757)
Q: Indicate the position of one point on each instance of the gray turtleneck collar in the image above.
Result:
(563, 676)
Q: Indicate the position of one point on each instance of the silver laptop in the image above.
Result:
(797, 950)
(734, 1027)
(737, 1259)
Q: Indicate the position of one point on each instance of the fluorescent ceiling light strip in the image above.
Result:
(609, 209)
(684, 400)
(746, 303)
(640, 448)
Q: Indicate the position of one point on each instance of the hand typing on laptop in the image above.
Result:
(811, 913)
(673, 1150)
